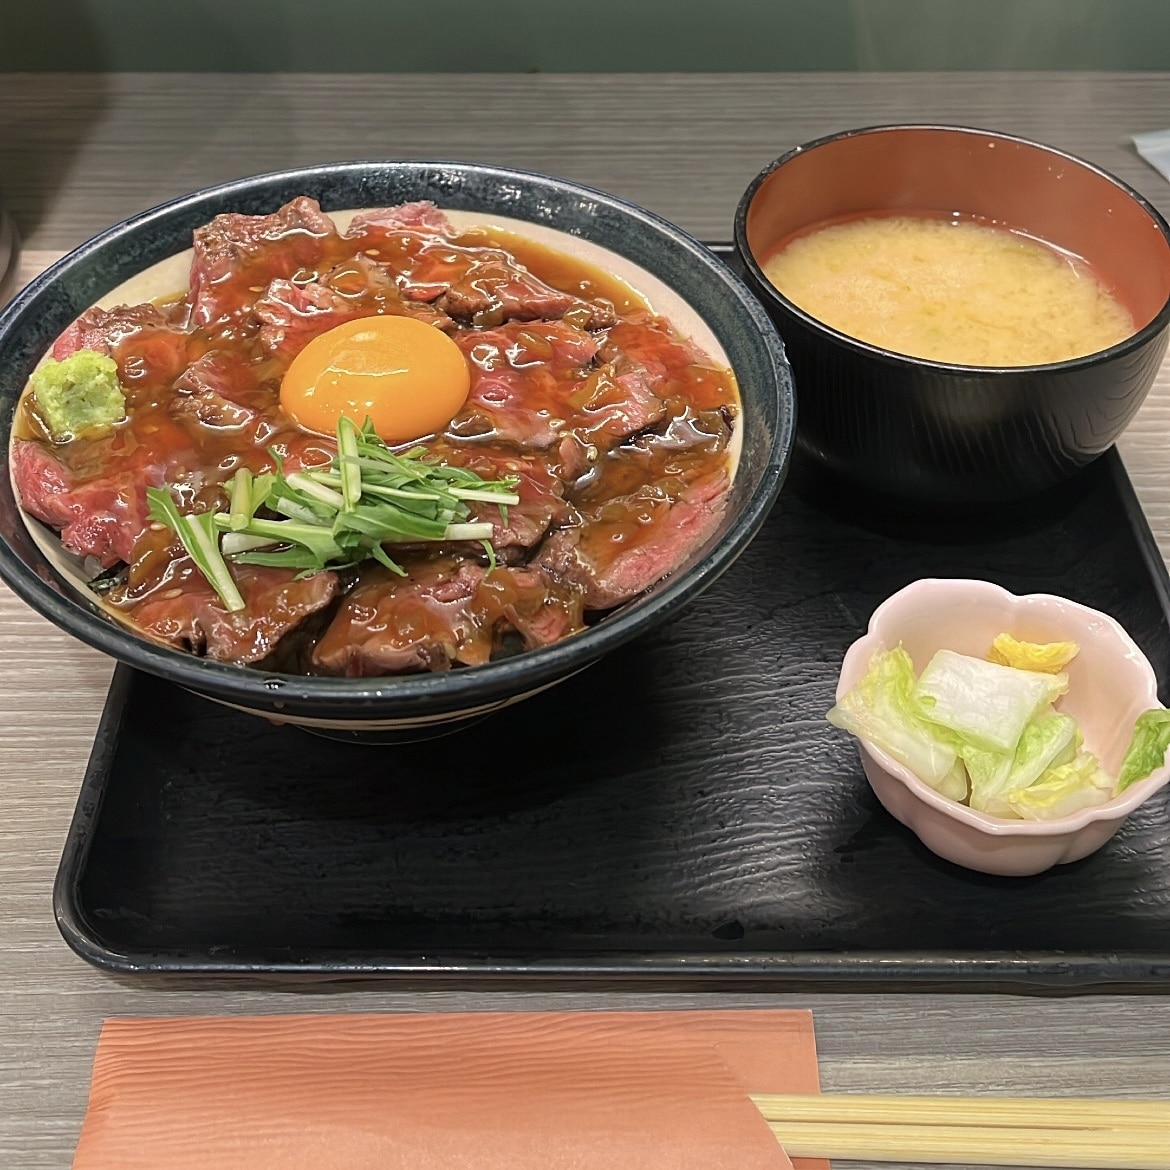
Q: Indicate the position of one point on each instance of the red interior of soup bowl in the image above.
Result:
(1018, 184)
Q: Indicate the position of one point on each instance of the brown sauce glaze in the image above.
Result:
(618, 428)
(567, 273)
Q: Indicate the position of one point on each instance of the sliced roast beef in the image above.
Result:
(628, 543)
(420, 216)
(693, 431)
(521, 526)
(236, 256)
(299, 450)
(528, 601)
(100, 517)
(533, 384)
(564, 350)
(191, 616)
(150, 347)
(522, 377)
(611, 407)
(222, 390)
(293, 314)
(393, 625)
(446, 612)
(471, 282)
(102, 329)
(486, 286)
(542, 505)
(362, 279)
(651, 346)
(575, 459)
(491, 297)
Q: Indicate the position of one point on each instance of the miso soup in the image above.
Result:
(949, 289)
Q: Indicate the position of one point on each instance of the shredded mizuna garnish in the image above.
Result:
(335, 518)
(201, 540)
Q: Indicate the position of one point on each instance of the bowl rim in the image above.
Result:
(771, 294)
(380, 697)
(1114, 809)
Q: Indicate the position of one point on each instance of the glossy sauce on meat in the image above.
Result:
(617, 428)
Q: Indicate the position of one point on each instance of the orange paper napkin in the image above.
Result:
(522, 1090)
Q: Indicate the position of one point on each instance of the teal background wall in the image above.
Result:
(583, 35)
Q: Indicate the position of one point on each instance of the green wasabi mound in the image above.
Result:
(80, 396)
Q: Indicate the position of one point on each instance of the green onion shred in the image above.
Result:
(337, 517)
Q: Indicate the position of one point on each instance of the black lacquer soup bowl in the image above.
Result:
(928, 433)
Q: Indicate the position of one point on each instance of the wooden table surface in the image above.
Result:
(78, 152)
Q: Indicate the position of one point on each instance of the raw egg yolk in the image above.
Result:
(406, 376)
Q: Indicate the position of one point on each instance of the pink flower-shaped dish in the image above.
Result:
(1110, 684)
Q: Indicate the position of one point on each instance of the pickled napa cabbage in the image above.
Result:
(988, 733)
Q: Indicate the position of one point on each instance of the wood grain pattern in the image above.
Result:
(79, 152)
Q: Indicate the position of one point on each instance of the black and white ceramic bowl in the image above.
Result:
(681, 278)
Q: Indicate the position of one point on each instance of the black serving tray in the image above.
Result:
(680, 811)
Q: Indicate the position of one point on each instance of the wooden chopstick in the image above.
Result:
(1046, 1112)
(1112, 1135)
